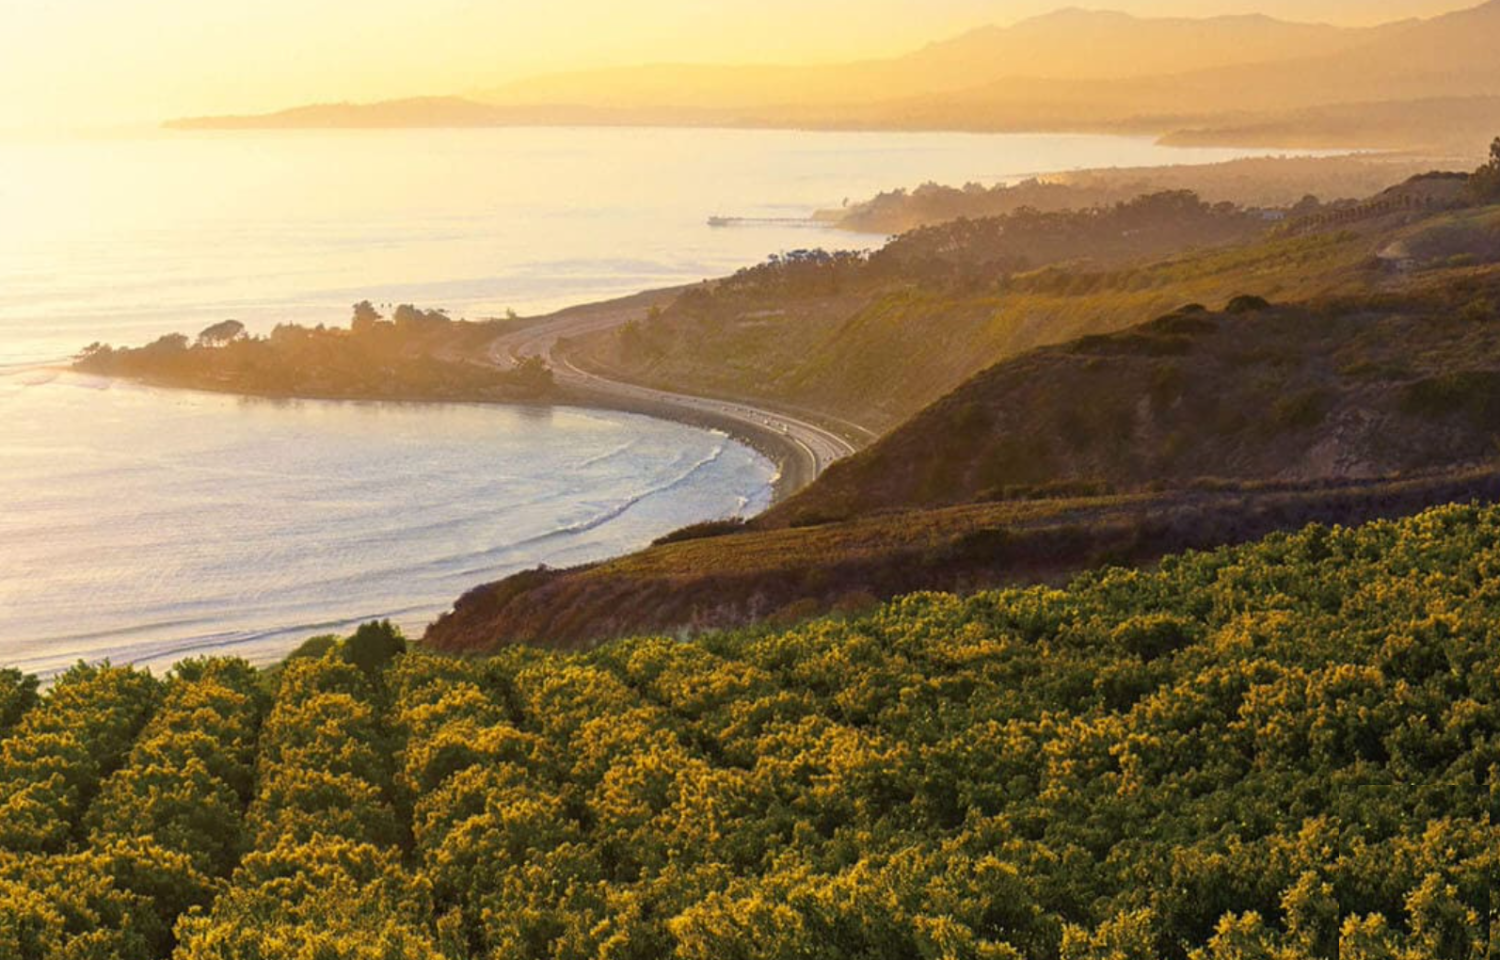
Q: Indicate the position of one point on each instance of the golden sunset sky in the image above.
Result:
(103, 62)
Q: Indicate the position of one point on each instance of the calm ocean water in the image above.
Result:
(165, 523)
(145, 525)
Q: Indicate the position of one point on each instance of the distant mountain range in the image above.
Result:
(1070, 45)
(1195, 79)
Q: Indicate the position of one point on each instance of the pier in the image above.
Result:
(764, 221)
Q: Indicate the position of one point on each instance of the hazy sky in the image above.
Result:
(69, 62)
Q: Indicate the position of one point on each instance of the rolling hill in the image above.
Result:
(1071, 44)
(1376, 397)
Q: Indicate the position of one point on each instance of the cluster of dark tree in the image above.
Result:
(899, 211)
(1283, 751)
(800, 273)
(991, 249)
(371, 647)
(1137, 229)
(411, 356)
(935, 203)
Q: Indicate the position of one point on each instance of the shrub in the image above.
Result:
(314, 648)
(807, 520)
(1300, 411)
(1153, 636)
(1247, 304)
(18, 694)
(374, 645)
(991, 546)
(1471, 393)
(1478, 310)
(1484, 185)
(1167, 385)
(1183, 325)
(702, 531)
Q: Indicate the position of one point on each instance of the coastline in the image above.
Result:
(247, 523)
(798, 448)
(801, 445)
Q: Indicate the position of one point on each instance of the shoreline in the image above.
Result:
(802, 445)
(796, 467)
(280, 627)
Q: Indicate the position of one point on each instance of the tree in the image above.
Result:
(1247, 303)
(534, 375)
(171, 343)
(411, 321)
(95, 351)
(221, 334)
(1484, 185)
(365, 318)
(1307, 205)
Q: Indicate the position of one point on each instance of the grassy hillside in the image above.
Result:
(876, 344)
(1362, 387)
(1283, 750)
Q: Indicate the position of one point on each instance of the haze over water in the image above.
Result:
(145, 525)
(124, 240)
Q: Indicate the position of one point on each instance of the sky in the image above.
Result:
(75, 63)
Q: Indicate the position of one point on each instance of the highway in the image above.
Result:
(802, 448)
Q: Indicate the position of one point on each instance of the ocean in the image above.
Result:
(145, 525)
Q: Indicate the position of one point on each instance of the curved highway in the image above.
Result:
(803, 449)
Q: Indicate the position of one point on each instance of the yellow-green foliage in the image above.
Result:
(325, 877)
(51, 763)
(1282, 751)
(17, 695)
